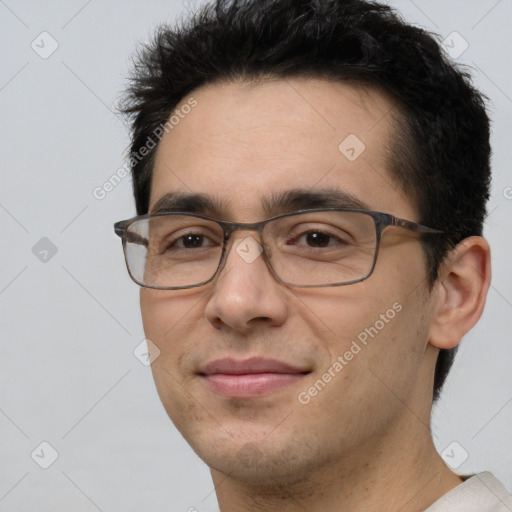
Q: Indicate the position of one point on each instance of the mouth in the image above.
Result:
(249, 378)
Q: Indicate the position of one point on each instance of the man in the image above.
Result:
(310, 179)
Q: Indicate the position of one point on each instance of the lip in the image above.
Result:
(249, 378)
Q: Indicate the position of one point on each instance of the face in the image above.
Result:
(325, 371)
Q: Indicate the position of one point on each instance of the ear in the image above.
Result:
(462, 286)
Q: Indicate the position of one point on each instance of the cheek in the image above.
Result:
(341, 316)
(167, 318)
(379, 329)
(372, 353)
(395, 340)
(154, 313)
(165, 314)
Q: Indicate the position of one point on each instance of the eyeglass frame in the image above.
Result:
(381, 221)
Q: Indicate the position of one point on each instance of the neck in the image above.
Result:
(400, 471)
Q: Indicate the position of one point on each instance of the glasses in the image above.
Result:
(306, 248)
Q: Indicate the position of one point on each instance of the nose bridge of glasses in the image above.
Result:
(248, 227)
(248, 245)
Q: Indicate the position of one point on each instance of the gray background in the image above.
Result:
(70, 321)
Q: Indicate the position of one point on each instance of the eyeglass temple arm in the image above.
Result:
(413, 226)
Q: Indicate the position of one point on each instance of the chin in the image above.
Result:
(260, 463)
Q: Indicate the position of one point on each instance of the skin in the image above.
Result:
(364, 442)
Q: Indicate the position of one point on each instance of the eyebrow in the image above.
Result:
(302, 199)
(274, 204)
(188, 203)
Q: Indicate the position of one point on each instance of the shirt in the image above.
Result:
(479, 493)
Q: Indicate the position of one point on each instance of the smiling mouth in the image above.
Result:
(250, 378)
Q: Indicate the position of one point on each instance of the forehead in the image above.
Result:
(244, 141)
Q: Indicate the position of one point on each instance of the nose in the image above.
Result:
(245, 293)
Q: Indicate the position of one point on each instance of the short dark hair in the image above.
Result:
(440, 154)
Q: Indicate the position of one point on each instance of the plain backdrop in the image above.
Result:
(70, 321)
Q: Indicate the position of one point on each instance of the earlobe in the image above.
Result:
(462, 286)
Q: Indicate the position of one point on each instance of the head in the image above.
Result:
(263, 93)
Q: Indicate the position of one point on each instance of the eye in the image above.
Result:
(191, 241)
(318, 239)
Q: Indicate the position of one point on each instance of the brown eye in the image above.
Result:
(191, 241)
(318, 239)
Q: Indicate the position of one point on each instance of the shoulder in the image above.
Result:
(482, 492)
